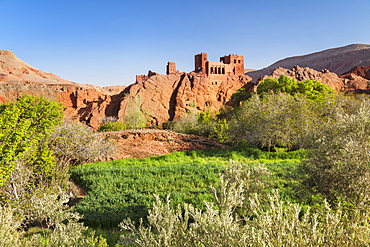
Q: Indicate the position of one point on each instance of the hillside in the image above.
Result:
(162, 98)
(338, 60)
(86, 103)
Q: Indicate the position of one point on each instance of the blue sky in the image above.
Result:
(108, 42)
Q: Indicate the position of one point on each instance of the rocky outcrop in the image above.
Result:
(363, 71)
(337, 60)
(350, 82)
(303, 74)
(86, 103)
(164, 98)
(160, 98)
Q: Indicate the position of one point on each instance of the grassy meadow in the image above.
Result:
(124, 189)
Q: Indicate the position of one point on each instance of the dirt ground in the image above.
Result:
(149, 142)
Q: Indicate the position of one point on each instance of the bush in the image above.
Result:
(338, 164)
(269, 222)
(24, 128)
(75, 143)
(275, 120)
(112, 126)
(56, 225)
(313, 90)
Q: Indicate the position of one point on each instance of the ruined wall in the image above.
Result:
(171, 68)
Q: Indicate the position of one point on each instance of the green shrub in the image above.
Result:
(338, 163)
(313, 90)
(268, 222)
(24, 128)
(112, 126)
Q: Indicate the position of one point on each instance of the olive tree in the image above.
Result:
(274, 120)
(338, 165)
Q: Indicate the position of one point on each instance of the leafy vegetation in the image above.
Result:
(338, 165)
(35, 150)
(25, 124)
(313, 90)
(240, 196)
(112, 126)
(268, 221)
(125, 188)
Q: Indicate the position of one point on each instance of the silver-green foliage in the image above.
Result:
(75, 143)
(59, 226)
(275, 120)
(133, 116)
(338, 165)
(269, 222)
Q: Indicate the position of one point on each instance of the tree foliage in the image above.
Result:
(313, 90)
(275, 120)
(25, 126)
(338, 165)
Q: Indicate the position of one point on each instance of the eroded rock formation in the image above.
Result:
(86, 103)
(337, 60)
(350, 82)
(163, 98)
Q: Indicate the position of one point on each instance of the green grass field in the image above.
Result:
(120, 189)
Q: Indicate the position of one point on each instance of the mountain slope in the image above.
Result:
(14, 71)
(338, 60)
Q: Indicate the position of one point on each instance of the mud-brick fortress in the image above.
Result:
(228, 66)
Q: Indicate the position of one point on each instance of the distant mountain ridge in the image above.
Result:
(14, 71)
(338, 60)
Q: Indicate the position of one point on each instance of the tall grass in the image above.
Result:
(120, 189)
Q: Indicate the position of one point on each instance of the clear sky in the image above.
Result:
(108, 42)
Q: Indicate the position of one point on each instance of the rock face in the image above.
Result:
(165, 98)
(363, 71)
(337, 60)
(303, 74)
(86, 103)
(160, 98)
(350, 82)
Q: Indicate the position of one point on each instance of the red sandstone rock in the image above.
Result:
(148, 142)
(303, 74)
(164, 98)
(86, 103)
(363, 71)
(346, 83)
(337, 60)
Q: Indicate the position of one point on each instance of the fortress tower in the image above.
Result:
(201, 62)
(236, 63)
(171, 68)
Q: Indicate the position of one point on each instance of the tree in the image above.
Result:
(24, 128)
(338, 165)
(75, 143)
(134, 117)
(314, 90)
(275, 120)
